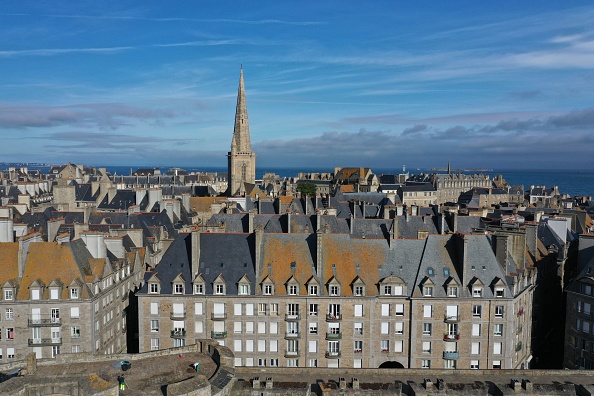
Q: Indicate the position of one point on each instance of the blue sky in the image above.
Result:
(347, 83)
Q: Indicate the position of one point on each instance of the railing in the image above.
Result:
(451, 355)
(45, 341)
(218, 334)
(178, 333)
(289, 354)
(451, 318)
(519, 346)
(357, 351)
(333, 336)
(332, 354)
(218, 316)
(44, 322)
(292, 316)
(178, 315)
(292, 334)
(451, 337)
(333, 317)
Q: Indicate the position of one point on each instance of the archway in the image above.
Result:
(391, 365)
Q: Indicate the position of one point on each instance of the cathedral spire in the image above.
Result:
(241, 131)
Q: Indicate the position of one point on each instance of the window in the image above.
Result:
(426, 328)
(75, 332)
(399, 328)
(292, 290)
(477, 292)
(8, 294)
(219, 288)
(154, 344)
(274, 309)
(476, 311)
(359, 290)
(449, 364)
(476, 329)
(426, 347)
(293, 309)
(359, 329)
(499, 311)
(387, 290)
(10, 333)
(154, 308)
(237, 327)
(178, 288)
(313, 290)
(426, 364)
(358, 346)
(399, 346)
(398, 290)
(198, 309)
(313, 328)
(474, 364)
(313, 309)
(428, 291)
(153, 288)
(497, 364)
(452, 291)
(427, 311)
(262, 327)
(497, 346)
(385, 327)
(498, 329)
(385, 346)
(237, 309)
(9, 314)
(75, 349)
(10, 353)
(262, 309)
(34, 294)
(268, 290)
(385, 309)
(273, 362)
(399, 310)
(74, 312)
(358, 310)
(499, 292)
(54, 294)
(199, 288)
(154, 325)
(334, 290)
(475, 348)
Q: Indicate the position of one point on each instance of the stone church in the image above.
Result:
(242, 160)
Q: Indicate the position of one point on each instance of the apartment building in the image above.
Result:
(338, 300)
(65, 296)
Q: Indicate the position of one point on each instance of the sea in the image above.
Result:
(572, 182)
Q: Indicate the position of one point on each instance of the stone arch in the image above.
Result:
(391, 364)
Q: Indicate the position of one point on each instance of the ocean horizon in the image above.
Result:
(572, 182)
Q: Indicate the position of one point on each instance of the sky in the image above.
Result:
(506, 84)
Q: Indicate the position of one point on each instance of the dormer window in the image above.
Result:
(219, 289)
(54, 293)
(178, 288)
(244, 290)
(313, 290)
(427, 291)
(198, 288)
(477, 292)
(452, 291)
(268, 290)
(387, 290)
(153, 288)
(74, 293)
(35, 294)
(334, 290)
(499, 292)
(8, 294)
(219, 286)
(359, 290)
(292, 290)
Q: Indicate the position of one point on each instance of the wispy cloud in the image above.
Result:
(62, 51)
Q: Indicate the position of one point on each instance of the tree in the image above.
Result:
(307, 189)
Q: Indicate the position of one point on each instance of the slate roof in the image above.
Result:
(437, 266)
(409, 226)
(486, 267)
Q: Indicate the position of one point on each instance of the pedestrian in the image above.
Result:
(122, 381)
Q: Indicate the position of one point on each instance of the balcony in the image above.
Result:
(179, 333)
(215, 335)
(291, 335)
(332, 354)
(291, 354)
(292, 316)
(451, 319)
(451, 337)
(519, 346)
(44, 322)
(218, 316)
(451, 355)
(178, 315)
(45, 341)
(333, 336)
(333, 317)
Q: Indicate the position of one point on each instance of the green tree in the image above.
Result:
(307, 189)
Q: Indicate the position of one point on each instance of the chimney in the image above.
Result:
(140, 194)
(399, 210)
(95, 242)
(155, 195)
(269, 383)
(259, 237)
(355, 383)
(501, 249)
(289, 223)
(6, 230)
(195, 251)
(116, 246)
(341, 383)
(24, 243)
(186, 202)
(250, 222)
(319, 259)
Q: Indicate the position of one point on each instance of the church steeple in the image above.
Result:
(241, 158)
(241, 131)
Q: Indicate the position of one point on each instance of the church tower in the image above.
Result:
(241, 158)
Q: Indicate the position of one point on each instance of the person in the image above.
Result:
(122, 382)
(196, 366)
